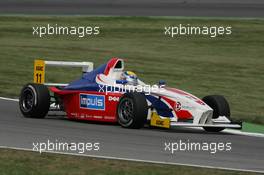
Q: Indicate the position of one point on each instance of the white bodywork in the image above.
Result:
(201, 112)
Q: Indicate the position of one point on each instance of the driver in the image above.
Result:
(130, 77)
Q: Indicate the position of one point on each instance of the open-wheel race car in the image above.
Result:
(111, 94)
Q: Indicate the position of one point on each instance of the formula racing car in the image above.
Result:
(111, 94)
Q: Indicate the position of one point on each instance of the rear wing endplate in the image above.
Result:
(40, 66)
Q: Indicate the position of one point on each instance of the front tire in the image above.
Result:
(220, 107)
(34, 100)
(132, 110)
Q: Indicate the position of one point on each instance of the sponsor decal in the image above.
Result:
(98, 117)
(178, 106)
(159, 122)
(39, 71)
(187, 107)
(109, 117)
(112, 98)
(74, 114)
(91, 101)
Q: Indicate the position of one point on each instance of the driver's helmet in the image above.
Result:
(130, 77)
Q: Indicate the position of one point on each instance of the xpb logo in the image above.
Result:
(90, 101)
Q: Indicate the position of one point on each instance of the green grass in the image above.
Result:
(28, 163)
(229, 65)
(250, 127)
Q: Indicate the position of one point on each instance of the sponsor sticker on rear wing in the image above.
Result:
(40, 67)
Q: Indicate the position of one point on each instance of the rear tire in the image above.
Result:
(132, 110)
(220, 107)
(34, 100)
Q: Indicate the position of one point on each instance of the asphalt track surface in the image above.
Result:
(199, 8)
(143, 144)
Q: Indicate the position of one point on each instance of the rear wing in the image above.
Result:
(40, 67)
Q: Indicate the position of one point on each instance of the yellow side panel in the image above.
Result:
(39, 71)
(157, 121)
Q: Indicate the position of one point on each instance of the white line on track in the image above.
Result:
(136, 160)
(231, 131)
(9, 99)
(238, 132)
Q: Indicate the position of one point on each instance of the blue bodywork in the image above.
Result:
(160, 106)
(87, 81)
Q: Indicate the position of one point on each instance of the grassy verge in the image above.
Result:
(24, 162)
(229, 65)
(250, 127)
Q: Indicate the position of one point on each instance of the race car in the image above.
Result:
(111, 94)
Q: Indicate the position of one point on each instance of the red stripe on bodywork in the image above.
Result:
(197, 100)
(110, 65)
(183, 114)
(177, 91)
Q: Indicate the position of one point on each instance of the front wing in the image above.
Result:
(164, 122)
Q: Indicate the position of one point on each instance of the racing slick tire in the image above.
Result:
(220, 107)
(132, 110)
(34, 100)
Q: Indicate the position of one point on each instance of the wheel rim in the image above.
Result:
(125, 110)
(28, 99)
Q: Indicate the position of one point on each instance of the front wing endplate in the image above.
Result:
(159, 122)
